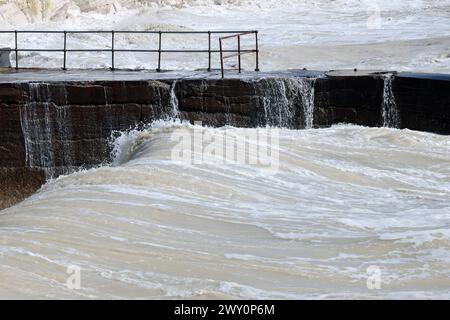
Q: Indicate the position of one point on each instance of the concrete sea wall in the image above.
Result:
(60, 123)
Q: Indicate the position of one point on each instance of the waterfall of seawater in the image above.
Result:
(39, 130)
(47, 125)
(174, 101)
(287, 103)
(306, 89)
(391, 116)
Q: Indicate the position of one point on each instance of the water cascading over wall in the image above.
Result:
(390, 112)
(275, 102)
(68, 126)
(286, 102)
(60, 119)
(52, 128)
(43, 136)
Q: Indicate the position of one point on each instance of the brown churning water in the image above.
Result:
(347, 212)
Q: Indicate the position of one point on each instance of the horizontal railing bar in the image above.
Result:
(205, 51)
(112, 49)
(131, 32)
(184, 32)
(131, 50)
(181, 51)
(238, 35)
(242, 52)
(44, 32)
(62, 50)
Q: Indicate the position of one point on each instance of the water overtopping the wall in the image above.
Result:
(49, 118)
(38, 132)
(68, 125)
(286, 102)
(391, 115)
(174, 100)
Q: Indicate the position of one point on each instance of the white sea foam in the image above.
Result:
(321, 34)
(344, 198)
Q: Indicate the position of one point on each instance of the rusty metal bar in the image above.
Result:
(239, 51)
(238, 34)
(235, 55)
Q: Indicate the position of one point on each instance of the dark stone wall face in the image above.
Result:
(217, 97)
(48, 129)
(424, 104)
(355, 100)
(73, 122)
(18, 183)
(12, 148)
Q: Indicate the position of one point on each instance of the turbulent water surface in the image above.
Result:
(317, 34)
(340, 202)
(344, 212)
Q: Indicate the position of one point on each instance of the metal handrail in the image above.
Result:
(113, 49)
(239, 51)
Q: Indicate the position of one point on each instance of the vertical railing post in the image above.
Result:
(16, 50)
(239, 54)
(221, 59)
(257, 51)
(209, 51)
(159, 52)
(113, 38)
(65, 51)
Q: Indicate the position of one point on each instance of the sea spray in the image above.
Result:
(390, 112)
(124, 143)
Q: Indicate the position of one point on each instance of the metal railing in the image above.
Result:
(113, 50)
(239, 53)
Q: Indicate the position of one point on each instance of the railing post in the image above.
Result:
(159, 52)
(16, 50)
(209, 51)
(65, 51)
(221, 59)
(239, 54)
(113, 36)
(257, 51)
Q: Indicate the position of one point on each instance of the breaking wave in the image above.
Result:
(343, 199)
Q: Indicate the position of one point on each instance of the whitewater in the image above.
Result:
(342, 205)
(319, 35)
(342, 200)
